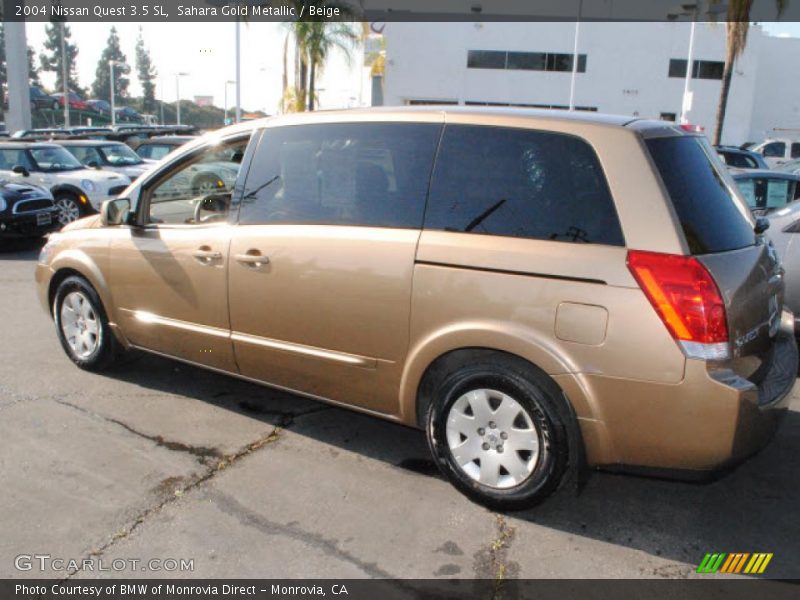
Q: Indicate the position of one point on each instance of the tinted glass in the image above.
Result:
(795, 150)
(486, 59)
(527, 61)
(677, 67)
(775, 150)
(741, 161)
(370, 174)
(711, 219)
(521, 183)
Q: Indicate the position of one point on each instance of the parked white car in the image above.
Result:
(111, 156)
(777, 151)
(77, 190)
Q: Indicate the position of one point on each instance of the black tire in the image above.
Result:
(69, 206)
(107, 348)
(534, 393)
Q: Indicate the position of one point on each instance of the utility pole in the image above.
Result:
(19, 100)
(64, 74)
(238, 72)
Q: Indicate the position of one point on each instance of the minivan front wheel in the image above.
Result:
(497, 436)
(82, 325)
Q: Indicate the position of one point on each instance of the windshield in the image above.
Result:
(55, 159)
(120, 154)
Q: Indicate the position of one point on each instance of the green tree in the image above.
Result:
(147, 75)
(736, 27)
(33, 71)
(315, 40)
(50, 60)
(101, 88)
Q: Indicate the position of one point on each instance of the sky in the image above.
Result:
(206, 51)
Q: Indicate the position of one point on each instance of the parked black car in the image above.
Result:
(26, 211)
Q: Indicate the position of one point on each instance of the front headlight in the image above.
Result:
(46, 253)
(88, 185)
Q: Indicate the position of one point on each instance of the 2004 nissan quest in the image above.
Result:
(536, 290)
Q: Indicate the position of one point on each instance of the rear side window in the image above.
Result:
(712, 220)
(366, 174)
(775, 150)
(741, 161)
(521, 183)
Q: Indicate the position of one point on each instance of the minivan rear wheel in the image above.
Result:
(497, 436)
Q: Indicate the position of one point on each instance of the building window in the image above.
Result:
(524, 61)
(486, 59)
(701, 69)
(421, 102)
(668, 116)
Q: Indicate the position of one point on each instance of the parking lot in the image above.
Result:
(160, 460)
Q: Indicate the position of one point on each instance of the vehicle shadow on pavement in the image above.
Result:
(20, 249)
(751, 509)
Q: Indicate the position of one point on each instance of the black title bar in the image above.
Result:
(175, 11)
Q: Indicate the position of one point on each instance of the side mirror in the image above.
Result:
(93, 164)
(21, 170)
(117, 212)
(762, 224)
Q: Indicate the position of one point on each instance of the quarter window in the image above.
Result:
(521, 183)
(367, 174)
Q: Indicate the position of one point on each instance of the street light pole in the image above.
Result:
(575, 58)
(227, 83)
(238, 72)
(686, 104)
(178, 95)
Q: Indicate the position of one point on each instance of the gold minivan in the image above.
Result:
(538, 290)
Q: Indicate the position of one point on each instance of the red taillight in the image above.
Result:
(684, 295)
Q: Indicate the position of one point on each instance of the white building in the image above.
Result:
(626, 68)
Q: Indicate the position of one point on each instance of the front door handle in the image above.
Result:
(206, 255)
(252, 258)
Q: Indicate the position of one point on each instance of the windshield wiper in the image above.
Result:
(484, 215)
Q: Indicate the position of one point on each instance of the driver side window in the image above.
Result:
(198, 191)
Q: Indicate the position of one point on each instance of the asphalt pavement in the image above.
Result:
(158, 461)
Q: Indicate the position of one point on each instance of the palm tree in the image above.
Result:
(737, 26)
(315, 40)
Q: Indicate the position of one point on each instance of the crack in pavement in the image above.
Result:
(491, 562)
(231, 506)
(203, 454)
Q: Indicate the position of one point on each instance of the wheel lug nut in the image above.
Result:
(500, 448)
(492, 425)
(481, 431)
(504, 435)
(485, 446)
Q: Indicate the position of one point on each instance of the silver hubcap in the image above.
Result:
(207, 186)
(492, 438)
(80, 325)
(68, 211)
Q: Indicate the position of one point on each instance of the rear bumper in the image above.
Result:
(711, 420)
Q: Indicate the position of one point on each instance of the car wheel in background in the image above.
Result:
(69, 208)
(207, 184)
(82, 325)
(496, 433)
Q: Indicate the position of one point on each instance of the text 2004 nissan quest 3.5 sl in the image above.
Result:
(538, 291)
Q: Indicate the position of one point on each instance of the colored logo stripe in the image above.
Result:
(721, 562)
